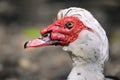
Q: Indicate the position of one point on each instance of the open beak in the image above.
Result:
(45, 40)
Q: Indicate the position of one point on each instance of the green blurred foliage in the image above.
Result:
(32, 32)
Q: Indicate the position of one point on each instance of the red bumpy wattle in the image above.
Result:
(58, 30)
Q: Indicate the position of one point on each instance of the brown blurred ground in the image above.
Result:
(49, 63)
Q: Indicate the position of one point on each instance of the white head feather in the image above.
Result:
(90, 47)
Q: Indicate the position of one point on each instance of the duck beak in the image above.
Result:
(39, 42)
(35, 43)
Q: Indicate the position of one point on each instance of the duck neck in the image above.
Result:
(83, 70)
(88, 55)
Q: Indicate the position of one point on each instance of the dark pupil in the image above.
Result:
(69, 25)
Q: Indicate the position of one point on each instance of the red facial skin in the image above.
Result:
(60, 31)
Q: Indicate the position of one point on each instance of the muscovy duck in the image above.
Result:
(82, 37)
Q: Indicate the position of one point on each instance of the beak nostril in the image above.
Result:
(47, 33)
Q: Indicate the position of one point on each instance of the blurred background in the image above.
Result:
(21, 20)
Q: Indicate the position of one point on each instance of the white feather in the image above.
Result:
(90, 51)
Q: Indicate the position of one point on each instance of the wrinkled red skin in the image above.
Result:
(64, 35)
(58, 33)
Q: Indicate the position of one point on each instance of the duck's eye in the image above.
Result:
(69, 25)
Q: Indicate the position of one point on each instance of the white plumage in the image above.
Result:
(82, 37)
(90, 51)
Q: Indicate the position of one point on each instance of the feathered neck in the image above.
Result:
(90, 51)
(87, 57)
